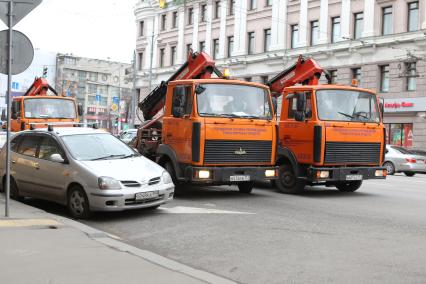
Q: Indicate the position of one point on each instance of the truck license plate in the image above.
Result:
(240, 178)
(146, 195)
(354, 177)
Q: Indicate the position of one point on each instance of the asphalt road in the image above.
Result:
(377, 234)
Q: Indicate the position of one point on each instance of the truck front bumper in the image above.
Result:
(230, 175)
(338, 174)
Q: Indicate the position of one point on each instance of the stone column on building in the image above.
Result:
(222, 30)
(303, 23)
(279, 24)
(240, 27)
(323, 28)
(180, 58)
(345, 19)
(369, 6)
(209, 18)
(195, 23)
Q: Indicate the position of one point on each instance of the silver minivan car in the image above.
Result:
(85, 169)
(399, 159)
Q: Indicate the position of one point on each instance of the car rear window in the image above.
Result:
(402, 150)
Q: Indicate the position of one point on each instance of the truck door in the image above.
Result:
(178, 127)
(296, 127)
(16, 116)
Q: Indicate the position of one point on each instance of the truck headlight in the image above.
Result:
(270, 173)
(108, 183)
(323, 174)
(166, 177)
(381, 173)
(203, 174)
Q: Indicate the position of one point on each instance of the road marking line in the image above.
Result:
(195, 210)
(7, 223)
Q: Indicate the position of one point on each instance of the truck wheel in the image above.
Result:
(349, 186)
(390, 168)
(409, 174)
(169, 168)
(246, 187)
(287, 181)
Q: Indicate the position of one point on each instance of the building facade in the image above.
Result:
(104, 88)
(381, 43)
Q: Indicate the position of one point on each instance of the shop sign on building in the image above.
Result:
(405, 105)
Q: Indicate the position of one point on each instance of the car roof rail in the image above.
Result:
(50, 125)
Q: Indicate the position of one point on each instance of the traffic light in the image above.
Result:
(44, 72)
(116, 121)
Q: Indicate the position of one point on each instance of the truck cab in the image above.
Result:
(329, 135)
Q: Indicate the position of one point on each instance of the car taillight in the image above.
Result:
(411, 160)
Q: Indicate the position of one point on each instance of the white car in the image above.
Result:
(85, 169)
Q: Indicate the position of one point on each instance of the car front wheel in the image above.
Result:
(78, 203)
(390, 168)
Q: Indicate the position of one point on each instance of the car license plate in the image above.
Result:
(354, 177)
(146, 195)
(239, 178)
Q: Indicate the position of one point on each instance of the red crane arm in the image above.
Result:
(39, 88)
(198, 66)
(306, 71)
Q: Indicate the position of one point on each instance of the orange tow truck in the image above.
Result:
(36, 108)
(213, 131)
(329, 135)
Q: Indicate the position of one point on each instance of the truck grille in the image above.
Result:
(227, 152)
(356, 153)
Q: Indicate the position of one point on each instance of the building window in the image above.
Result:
(82, 75)
(203, 13)
(268, 3)
(384, 78)
(231, 7)
(413, 16)
(190, 16)
(356, 75)
(69, 60)
(264, 79)
(267, 40)
(215, 48)
(161, 57)
(410, 69)
(141, 27)
(252, 4)
(174, 20)
(140, 60)
(230, 45)
(250, 48)
(314, 32)
(202, 46)
(188, 48)
(172, 55)
(163, 22)
(399, 134)
(358, 25)
(333, 76)
(387, 21)
(93, 76)
(217, 9)
(294, 36)
(335, 29)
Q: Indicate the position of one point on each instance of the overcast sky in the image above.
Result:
(90, 28)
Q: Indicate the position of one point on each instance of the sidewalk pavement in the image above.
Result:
(39, 247)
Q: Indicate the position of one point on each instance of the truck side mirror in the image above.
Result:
(301, 102)
(382, 108)
(14, 115)
(177, 111)
(275, 104)
(80, 109)
(3, 115)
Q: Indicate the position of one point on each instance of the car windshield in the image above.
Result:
(49, 108)
(347, 105)
(99, 146)
(402, 150)
(231, 100)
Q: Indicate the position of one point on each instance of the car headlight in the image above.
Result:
(108, 183)
(166, 177)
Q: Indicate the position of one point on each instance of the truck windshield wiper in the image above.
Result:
(345, 114)
(229, 115)
(208, 114)
(250, 116)
(109, 156)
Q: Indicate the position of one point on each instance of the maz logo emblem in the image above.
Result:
(240, 151)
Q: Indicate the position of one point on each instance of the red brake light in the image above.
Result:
(411, 160)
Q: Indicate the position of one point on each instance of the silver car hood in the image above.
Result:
(131, 169)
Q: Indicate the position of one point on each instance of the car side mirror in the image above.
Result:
(57, 158)
(80, 109)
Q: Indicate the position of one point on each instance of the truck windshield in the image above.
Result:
(49, 108)
(347, 105)
(232, 100)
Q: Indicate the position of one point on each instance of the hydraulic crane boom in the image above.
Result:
(39, 88)
(305, 71)
(198, 66)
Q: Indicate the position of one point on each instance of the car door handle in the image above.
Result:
(37, 166)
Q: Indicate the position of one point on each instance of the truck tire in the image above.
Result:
(349, 186)
(287, 181)
(409, 174)
(170, 169)
(390, 168)
(246, 187)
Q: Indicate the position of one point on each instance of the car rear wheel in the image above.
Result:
(409, 174)
(246, 187)
(390, 168)
(288, 182)
(349, 186)
(78, 203)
